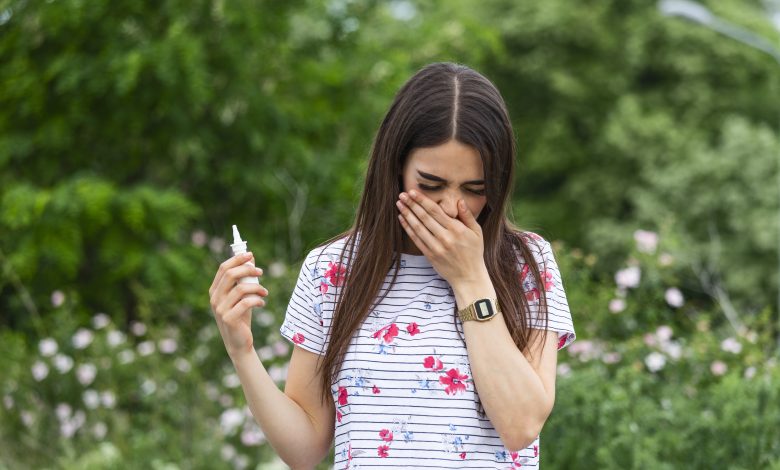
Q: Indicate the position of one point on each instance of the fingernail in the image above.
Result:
(413, 193)
(259, 271)
(247, 255)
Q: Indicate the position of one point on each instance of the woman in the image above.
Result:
(421, 332)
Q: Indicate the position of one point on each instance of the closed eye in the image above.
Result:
(478, 192)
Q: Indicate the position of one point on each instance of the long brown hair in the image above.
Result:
(442, 101)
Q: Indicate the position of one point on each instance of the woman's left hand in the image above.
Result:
(454, 247)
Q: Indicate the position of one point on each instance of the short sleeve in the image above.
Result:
(559, 317)
(303, 324)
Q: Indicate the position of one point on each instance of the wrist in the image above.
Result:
(468, 290)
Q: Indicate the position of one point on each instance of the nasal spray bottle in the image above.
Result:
(239, 246)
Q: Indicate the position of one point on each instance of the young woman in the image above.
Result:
(420, 334)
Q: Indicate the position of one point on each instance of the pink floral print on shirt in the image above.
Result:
(454, 381)
(334, 276)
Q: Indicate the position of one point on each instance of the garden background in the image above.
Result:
(134, 134)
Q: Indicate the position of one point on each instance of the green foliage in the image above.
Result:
(132, 136)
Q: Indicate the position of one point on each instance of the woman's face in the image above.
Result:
(446, 173)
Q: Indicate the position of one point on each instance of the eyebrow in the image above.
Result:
(442, 180)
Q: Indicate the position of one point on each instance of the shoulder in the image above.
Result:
(538, 246)
(327, 255)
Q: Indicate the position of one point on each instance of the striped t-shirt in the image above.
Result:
(404, 396)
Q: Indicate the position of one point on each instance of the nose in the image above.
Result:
(449, 204)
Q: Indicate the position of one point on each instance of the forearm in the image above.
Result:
(285, 424)
(511, 391)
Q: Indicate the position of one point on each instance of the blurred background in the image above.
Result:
(134, 134)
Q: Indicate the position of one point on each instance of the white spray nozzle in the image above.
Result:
(236, 236)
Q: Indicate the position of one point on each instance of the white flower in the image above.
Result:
(664, 333)
(564, 369)
(265, 353)
(217, 245)
(47, 347)
(57, 298)
(617, 305)
(628, 277)
(126, 356)
(230, 420)
(278, 374)
(665, 259)
(108, 399)
(252, 435)
(199, 238)
(99, 430)
(227, 452)
(145, 348)
(115, 338)
(82, 338)
(240, 462)
(138, 328)
(63, 411)
(91, 399)
(167, 345)
(231, 381)
(750, 372)
(39, 371)
(100, 320)
(281, 347)
(731, 345)
(182, 364)
(148, 387)
(674, 297)
(655, 361)
(63, 363)
(27, 418)
(85, 373)
(69, 427)
(264, 318)
(277, 269)
(718, 367)
(646, 241)
(8, 401)
(672, 348)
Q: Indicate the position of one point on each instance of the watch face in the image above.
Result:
(484, 309)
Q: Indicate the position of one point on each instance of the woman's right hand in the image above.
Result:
(232, 302)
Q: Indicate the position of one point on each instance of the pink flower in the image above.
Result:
(462, 455)
(375, 389)
(390, 334)
(718, 368)
(335, 273)
(386, 435)
(454, 381)
(433, 363)
(532, 295)
(382, 451)
(324, 287)
(412, 328)
(342, 396)
(547, 279)
(339, 416)
(297, 338)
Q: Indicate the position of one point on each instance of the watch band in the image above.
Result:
(480, 310)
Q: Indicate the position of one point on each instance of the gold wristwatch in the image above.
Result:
(480, 310)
